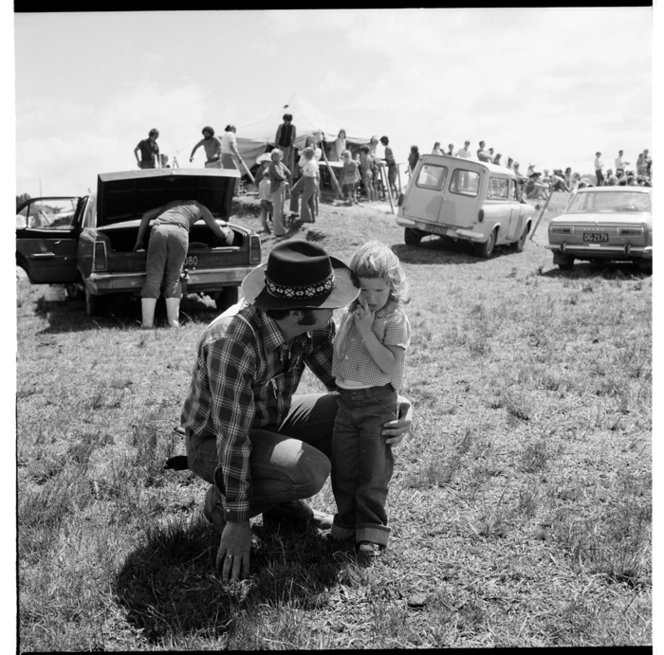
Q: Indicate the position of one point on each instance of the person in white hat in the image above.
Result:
(263, 448)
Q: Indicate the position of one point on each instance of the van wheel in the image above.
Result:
(74, 290)
(485, 250)
(92, 303)
(412, 237)
(521, 243)
(226, 297)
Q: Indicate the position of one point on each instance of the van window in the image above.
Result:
(465, 183)
(498, 187)
(513, 193)
(432, 177)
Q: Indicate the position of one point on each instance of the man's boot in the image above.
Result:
(173, 311)
(296, 511)
(147, 312)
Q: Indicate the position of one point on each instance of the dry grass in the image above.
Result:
(521, 509)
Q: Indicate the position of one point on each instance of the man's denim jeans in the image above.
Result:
(288, 462)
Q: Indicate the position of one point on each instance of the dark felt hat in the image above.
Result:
(300, 274)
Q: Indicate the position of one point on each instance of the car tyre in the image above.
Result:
(226, 297)
(565, 263)
(74, 290)
(521, 243)
(92, 303)
(485, 250)
(412, 237)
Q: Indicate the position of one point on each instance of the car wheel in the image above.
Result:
(565, 263)
(485, 250)
(92, 303)
(521, 243)
(226, 297)
(412, 237)
(74, 290)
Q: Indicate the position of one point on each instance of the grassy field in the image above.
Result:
(521, 507)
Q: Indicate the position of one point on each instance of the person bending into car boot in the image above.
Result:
(263, 448)
(167, 249)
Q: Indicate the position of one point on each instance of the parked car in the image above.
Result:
(465, 200)
(611, 223)
(86, 243)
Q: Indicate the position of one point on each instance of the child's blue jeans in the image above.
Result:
(362, 463)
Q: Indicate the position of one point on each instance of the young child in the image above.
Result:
(265, 195)
(349, 177)
(368, 363)
(279, 175)
(367, 173)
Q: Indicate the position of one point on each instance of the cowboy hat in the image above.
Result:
(264, 157)
(300, 274)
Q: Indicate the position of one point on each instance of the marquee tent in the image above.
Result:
(253, 138)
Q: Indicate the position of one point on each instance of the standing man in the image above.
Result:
(620, 164)
(599, 165)
(212, 147)
(148, 149)
(450, 150)
(482, 155)
(284, 140)
(263, 448)
(464, 152)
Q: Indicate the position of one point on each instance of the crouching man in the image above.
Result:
(263, 448)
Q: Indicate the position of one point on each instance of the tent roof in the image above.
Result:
(307, 120)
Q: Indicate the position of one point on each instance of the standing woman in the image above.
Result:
(338, 146)
(167, 249)
(279, 175)
(230, 155)
(149, 150)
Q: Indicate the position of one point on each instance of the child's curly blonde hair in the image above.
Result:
(377, 260)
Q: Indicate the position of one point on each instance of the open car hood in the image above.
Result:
(126, 195)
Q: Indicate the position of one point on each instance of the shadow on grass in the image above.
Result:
(608, 271)
(170, 587)
(439, 250)
(119, 312)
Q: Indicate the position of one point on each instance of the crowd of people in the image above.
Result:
(370, 172)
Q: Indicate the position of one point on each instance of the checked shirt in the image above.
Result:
(244, 378)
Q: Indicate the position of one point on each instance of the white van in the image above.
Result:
(464, 199)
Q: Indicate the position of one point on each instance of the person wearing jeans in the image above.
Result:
(263, 448)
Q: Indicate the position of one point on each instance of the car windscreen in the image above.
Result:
(609, 202)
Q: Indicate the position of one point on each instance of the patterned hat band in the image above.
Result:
(308, 292)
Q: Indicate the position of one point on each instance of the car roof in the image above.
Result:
(492, 168)
(613, 189)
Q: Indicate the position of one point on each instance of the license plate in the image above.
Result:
(596, 237)
(436, 229)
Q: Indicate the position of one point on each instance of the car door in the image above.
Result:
(47, 232)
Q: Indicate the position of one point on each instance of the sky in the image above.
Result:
(547, 86)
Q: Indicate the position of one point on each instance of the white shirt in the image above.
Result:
(226, 141)
(464, 153)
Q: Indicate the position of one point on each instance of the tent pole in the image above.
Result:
(386, 183)
(332, 175)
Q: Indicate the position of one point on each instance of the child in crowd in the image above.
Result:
(265, 195)
(367, 172)
(307, 185)
(368, 363)
(349, 177)
(279, 176)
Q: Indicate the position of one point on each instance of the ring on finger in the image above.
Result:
(229, 556)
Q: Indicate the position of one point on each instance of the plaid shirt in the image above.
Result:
(392, 328)
(244, 377)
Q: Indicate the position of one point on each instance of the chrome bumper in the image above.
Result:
(200, 279)
(603, 251)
